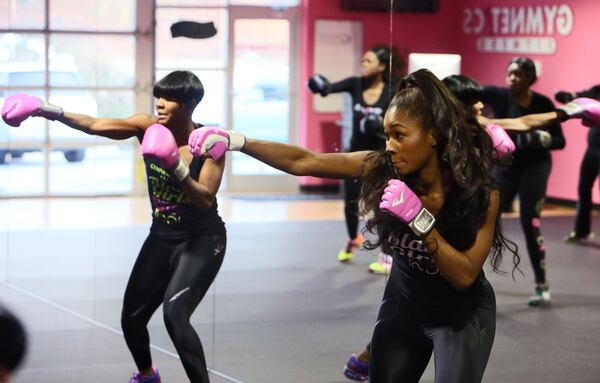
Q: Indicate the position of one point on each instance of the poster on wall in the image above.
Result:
(519, 29)
(338, 48)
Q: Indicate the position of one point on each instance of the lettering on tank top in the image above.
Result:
(416, 255)
(166, 197)
(366, 110)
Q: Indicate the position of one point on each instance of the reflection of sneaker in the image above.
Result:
(347, 253)
(541, 296)
(572, 237)
(138, 378)
(383, 264)
(356, 370)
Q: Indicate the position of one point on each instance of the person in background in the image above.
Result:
(528, 173)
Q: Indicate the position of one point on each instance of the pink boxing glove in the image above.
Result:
(158, 142)
(400, 201)
(501, 142)
(18, 107)
(214, 141)
(585, 108)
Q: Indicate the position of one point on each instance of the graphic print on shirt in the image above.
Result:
(166, 197)
(416, 256)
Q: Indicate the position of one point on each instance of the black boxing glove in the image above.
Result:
(371, 125)
(319, 84)
(535, 140)
(564, 97)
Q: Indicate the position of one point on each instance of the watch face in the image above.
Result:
(424, 221)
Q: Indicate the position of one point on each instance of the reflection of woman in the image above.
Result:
(370, 97)
(528, 174)
(186, 245)
(434, 205)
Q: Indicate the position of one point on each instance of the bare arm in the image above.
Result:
(202, 192)
(116, 129)
(523, 123)
(298, 161)
(461, 268)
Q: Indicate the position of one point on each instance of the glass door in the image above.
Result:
(263, 99)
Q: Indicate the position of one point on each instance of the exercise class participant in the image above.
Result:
(433, 203)
(527, 175)
(371, 95)
(13, 344)
(184, 250)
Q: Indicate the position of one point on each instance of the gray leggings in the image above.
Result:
(402, 345)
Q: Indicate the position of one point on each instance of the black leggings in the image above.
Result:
(178, 275)
(589, 171)
(351, 196)
(402, 345)
(528, 177)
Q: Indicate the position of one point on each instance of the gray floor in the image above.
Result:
(282, 308)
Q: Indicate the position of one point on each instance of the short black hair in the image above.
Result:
(13, 338)
(526, 65)
(181, 86)
(467, 90)
(387, 55)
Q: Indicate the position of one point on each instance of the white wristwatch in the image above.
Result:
(422, 223)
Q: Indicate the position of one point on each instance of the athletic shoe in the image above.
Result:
(541, 296)
(139, 378)
(356, 370)
(383, 264)
(347, 253)
(572, 237)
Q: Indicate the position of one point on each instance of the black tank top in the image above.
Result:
(418, 278)
(173, 213)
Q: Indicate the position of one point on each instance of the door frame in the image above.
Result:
(265, 183)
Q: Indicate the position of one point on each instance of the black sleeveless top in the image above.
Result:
(418, 279)
(173, 213)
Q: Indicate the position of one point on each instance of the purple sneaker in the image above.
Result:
(356, 370)
(138, 378)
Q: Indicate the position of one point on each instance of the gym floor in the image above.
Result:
(282, 308)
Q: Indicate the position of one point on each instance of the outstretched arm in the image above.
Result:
(19, 107)
(214, 142)
(116, 129)
(298, 161)
(523, 123)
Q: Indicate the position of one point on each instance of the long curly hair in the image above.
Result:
(466, 156)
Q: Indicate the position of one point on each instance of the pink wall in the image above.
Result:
(572, 66)
(412, 33)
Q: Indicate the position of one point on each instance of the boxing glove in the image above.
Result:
(159, 143)
(564, 97)
(587, 109)
(18, 107)
(319, 84)
(214, 141)
(400, 201)
(371, 125)
(502, 143)
(537, 139)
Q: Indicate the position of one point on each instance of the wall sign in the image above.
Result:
(518, 29)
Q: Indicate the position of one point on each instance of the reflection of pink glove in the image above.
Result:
(214, 141)
(500, 140)
(159, 143)
(18, 107)
(586, 108)
(401, 202)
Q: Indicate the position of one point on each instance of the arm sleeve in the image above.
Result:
(344, 85)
